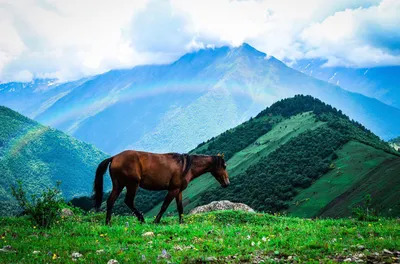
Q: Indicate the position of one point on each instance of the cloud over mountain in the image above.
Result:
(71, 39)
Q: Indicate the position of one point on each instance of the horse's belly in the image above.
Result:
(156, 182)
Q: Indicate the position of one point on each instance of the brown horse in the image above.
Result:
(172, 172)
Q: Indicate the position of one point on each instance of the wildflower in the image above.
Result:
(34, 227)
(54, 256)
(248, 237)
(252, 244)
(264, 239)
(369, 225)
(258, 243)
(102, 235)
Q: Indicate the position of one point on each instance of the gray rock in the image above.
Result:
(7, 248)
(211, 259)
(164, 255)
(388, 252)
(112, 261)
(221, 205)
(66, 212)
(76, 255)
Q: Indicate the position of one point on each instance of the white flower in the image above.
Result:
(252, 244)
(264, 239)
(248, 237)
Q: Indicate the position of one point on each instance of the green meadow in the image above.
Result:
(223, 237)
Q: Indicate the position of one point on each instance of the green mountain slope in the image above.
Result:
(282, 155)
(40, 156)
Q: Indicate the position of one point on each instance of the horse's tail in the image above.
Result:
(98, 182)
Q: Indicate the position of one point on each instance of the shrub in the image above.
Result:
(364, 211)
(44, 209)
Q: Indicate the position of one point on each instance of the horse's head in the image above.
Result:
(219, 171)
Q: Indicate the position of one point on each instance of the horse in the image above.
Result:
(151, 171)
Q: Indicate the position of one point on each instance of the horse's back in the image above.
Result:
(150, 170)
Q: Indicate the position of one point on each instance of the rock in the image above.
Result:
(112, 261)
(347, 260)
(148, 234)
(100, 251)
(388, 252)
(221, 205)
(76, 255)
(360, 247)
(36, 252)
(164, 255)
(65, 212)
(7, 248)
(211, 259)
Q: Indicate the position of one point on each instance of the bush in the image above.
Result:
(364, 211)
(43, 210)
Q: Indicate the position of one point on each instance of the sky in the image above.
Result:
(70, 39)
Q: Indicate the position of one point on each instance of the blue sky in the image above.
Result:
(69, 39)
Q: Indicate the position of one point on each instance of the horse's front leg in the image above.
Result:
(179, 206)
(167, 200)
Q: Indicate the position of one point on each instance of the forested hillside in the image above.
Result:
(286, 149)
(40, 156)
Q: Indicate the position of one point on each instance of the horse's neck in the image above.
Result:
(200, 166)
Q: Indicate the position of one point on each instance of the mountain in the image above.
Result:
(381, 83)
(395, 143)
(40, 156)
(303, 157)
(173, 107)
(33, 98)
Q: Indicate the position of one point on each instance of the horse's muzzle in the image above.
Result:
(226, 184)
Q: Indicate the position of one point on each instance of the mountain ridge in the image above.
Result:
(276, 160)
(39, 156)
(149, 107)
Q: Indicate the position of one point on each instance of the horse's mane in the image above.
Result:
(187, 160)
(217, 161)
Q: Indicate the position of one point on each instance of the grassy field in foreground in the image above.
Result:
(221, 237)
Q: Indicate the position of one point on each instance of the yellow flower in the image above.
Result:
(102, 235)
(97, 241)
(34, 227)
(54, 256)
(369, 225)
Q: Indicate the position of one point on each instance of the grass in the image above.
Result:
(358, 171)
(280, 134)
(224, 236)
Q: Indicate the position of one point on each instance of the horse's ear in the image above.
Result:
(218, 155)
(223, 156)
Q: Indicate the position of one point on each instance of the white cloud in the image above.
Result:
(357, 37)
(68, 39)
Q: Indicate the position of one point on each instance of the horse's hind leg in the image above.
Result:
(167, 200)
(111, 200)
(131, 190)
